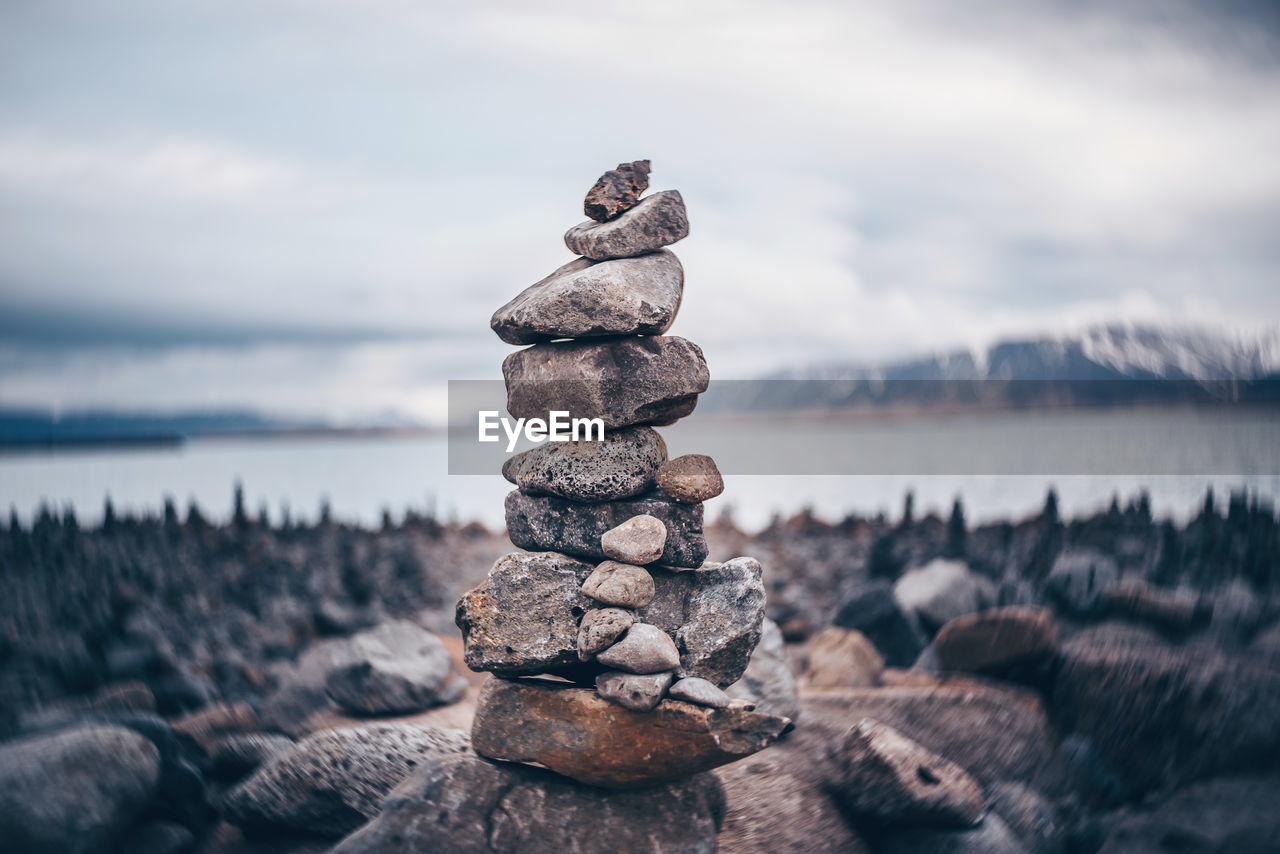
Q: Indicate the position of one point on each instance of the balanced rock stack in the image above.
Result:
(612, 638)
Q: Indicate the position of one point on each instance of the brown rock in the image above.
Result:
(655, 222)
(651, 380)
(690, 478)
(207, 725)
(1173, 611)
(600, 628)
(643, 649)
(892, 779)
(842, 658)
(639, 540)
(994, 639)
(619, 584)
(579, 734)
(617, 190)
(639, 692)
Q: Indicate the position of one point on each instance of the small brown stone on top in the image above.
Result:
(690, 478)
(617, 191)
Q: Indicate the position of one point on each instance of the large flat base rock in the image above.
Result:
(575, 732)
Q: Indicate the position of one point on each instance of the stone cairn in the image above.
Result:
(612, 638)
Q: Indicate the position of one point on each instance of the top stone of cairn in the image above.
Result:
(617, 191)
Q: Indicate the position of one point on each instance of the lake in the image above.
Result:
(1175, 455)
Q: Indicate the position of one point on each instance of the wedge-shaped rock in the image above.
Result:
(890, 778)
(586, 299)
(617, 191)
(622, 381)
(658, 220)
(643, 649)
(576, 732)
(523, 620)
(549, 523)
(524, 617)
(623, 465)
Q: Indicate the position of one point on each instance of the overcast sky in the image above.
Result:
(311, 207)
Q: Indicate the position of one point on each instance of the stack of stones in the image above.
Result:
(611, 639)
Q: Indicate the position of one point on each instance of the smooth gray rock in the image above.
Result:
(622, 381)
(639, 540)
(396, 669)
(467, 805)
(589, 299)
(658, 220)
(617, 191)
(942, 590)
(548, 523)
(523, 620)
(76, 791)
(700, 691)
(643, 649)
(334, 781)
(893, 780)
(635, 691)
(620, 584)
(600, 627)
(768, 681)
(622, 466)
(873, 610)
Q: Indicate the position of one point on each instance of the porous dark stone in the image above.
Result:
(395, 669)
(548, 523)
(893, 780)
(588, 299)
(523, 619)
(75, 791)
(334, 781)
(652, 380)
(657, 221)
(600, 627)
(468, 805)
(621, 466)
(873, 610)
(690, 478)
(576, 732)
(635, 691)
(617, 191)
(996, 639)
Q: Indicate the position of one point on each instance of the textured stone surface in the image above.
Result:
(467, 805)
(623, 381)
(890, 778)
(616, 191)
(635, 691)
(842, 658)
(694, 690)
(768, 681)
(600, 627)
(639, 540)
(657, 221)
(548, 523)
(575, 732)
(396, 669)
(1078, 581)
(524, 617)
(998, 638)
(1230, 814)
(587, 299)
(873, 610)
(1030, 816)
(334, 781)
(942, 590)
(619, 584)
(643, 649)
(621, 466)
(1174, 611)
(523, 620)
(75, 791)
(992, 836)
(234, 756)
(690, 478)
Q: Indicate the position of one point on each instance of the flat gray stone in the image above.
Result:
(523, 619)
(600, 628)
(638, 540)
(643, 649)
(588, 299)
(619, 584)
(622, 466)
(700, 691)
(635, 691)
(550, 523)
(622, 381)
(334, 781)
(658, 220)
